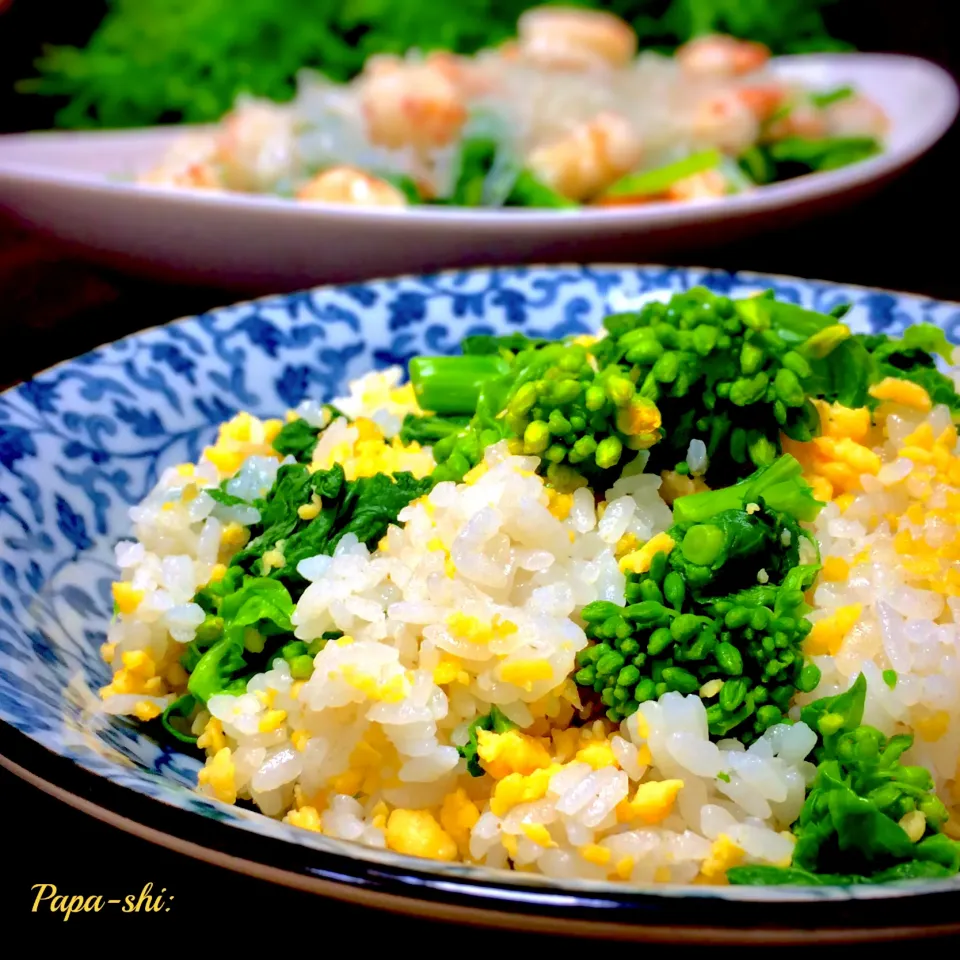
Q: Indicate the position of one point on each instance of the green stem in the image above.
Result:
(781, 485)
(653, 182)
(452, 385)
(528, 191)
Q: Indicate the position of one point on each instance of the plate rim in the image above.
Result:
(407, 276)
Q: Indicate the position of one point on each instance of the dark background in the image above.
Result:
(57, 307)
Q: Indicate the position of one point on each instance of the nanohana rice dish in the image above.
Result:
(566, 114)
(679, 603)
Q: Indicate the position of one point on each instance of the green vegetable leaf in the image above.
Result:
(427, 430)
(297, 439)
(224, 498)
(762, 875)
(485, 344)
(364, 507)
(830, 717)
(913, 358)
(259, 603)
(826, 154)
(496, 721)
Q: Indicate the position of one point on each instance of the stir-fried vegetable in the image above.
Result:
(735, 374)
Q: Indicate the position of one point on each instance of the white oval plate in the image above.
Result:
(66, 185)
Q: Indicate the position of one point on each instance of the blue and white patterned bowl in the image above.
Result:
(84, 441)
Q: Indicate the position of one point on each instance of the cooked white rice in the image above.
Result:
(474, 601)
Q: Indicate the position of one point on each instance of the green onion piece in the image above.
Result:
(653, 182)
(824, 99)
(451, 385)
(528, 191)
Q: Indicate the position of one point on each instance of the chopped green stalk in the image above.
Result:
(528, 191)
(828, 97)
(780, 486)
(451, 385)
(650, 183)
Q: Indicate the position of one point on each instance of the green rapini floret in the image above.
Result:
(721, 614)
(734, 374)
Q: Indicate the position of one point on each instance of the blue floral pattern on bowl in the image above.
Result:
(83, 442)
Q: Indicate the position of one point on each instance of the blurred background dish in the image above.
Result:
(143, 65)
(62, 184)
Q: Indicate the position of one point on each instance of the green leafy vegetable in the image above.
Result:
(913, 358)
(364, 507)
(297, 439)
(797, 156)
(261, 606)
(506, 345)
(826, 154)
(155, 61)
(851, 828)
(225, 499)
(427, 430)
(496, 721)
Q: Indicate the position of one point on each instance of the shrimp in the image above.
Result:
(200, 176)
(699, 186)
(411, 105)
(188, 163)
(723, 56)
(256, 146)
(348, 185)
(470, 76)
(727, 120)
(855, 117)
(567, 38)
(804, 120)
(589, 158)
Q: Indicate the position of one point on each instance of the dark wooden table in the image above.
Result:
(53, 307)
